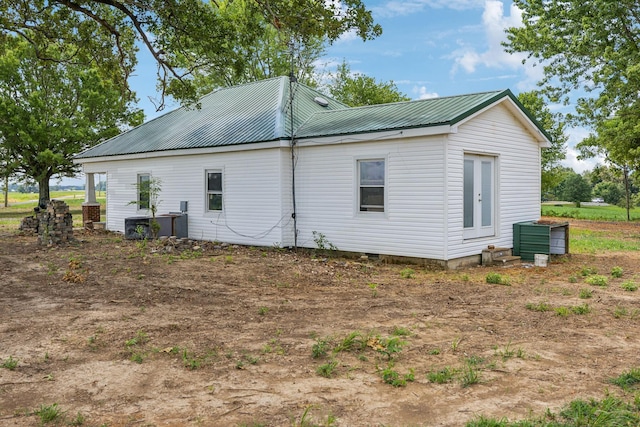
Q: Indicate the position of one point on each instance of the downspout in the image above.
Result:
(292, 81)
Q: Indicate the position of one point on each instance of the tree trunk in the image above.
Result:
(6, 191)
(627, 191)
(43, 191)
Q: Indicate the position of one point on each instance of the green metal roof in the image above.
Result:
(249, 113)
(259, 112)
(400, 115)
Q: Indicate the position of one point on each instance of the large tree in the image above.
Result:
(357, 89)
(618, 140)
(587, 48)
(555, 127)
(267, 51)
(183, 36)
(51, 110)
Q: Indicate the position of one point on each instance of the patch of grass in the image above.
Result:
(400, 331)
(588, 271)
(49, 413)
(541, 307)
(617, 272)
(585, 293)
(592, 241)
(619, 312)
(470, 375)
(442, 376)
(394, 378)
(562, 311)
(354, 341)
(581, 309)
(263, 310)
(320, 348)
(610, 411)
(597, 280)
(594, 213)
(10, 363)
(627, 380)
(497, 279)
(629, 285)
(434, 352)
(327, 369)
(140, 339)
(407, 273)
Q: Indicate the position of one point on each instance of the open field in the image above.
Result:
(22, 204)
(589, 211)
(111, 332)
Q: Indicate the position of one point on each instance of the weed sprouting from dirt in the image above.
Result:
(10, 363)
(497, 279)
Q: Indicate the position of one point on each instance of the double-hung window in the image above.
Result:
(144, 199)
(214, 190)
(371, 184)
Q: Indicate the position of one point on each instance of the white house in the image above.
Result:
(437, 179)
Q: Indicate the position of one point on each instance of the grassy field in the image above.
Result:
(22, 204)
(595, 213)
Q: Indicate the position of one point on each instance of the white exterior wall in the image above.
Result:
(252, 193)
(413, 223)
(495, 132)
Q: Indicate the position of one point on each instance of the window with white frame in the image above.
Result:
(371, 184)
(214, 190)
(144, 180)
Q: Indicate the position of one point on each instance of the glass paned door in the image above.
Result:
(479, 198)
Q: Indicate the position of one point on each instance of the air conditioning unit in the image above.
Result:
(137, 227)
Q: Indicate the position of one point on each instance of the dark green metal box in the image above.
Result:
(540, 237)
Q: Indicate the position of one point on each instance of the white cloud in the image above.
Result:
(404, 8)
(422, 93)
(576, 135)
(494, 24)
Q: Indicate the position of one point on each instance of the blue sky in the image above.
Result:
(428, 48)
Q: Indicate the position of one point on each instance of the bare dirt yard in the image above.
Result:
(240, 336)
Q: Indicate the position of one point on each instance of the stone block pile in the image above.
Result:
(55, 224)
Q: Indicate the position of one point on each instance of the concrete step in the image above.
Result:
(506, 260)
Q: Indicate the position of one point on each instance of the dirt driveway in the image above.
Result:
(251, 336)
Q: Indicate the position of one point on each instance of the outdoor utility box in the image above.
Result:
(171, 224)
(540, 237)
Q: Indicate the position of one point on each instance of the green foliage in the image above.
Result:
(183, 37)
(407, 273)
(327, 369)
(497, 279)
(586, 293)
(587, 271)
(597, 280)
(616, 272)
(358, 89)
(627, 380)
(393, 377)
(541, 307)
(581, 309)
(320, 348)
(10, 363)
(63, 107)
(629, 285)
(442, 376)
(553, 123)
(575, 189)
(610, 411)
(322, 243)
(470, 375)
(49, 413)
(595, 213)
(611, 192)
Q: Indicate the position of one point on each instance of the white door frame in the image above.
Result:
(479, 196)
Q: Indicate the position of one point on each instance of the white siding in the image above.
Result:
(252, 194)
(494, 132)
(423, 206)
(413, 222)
